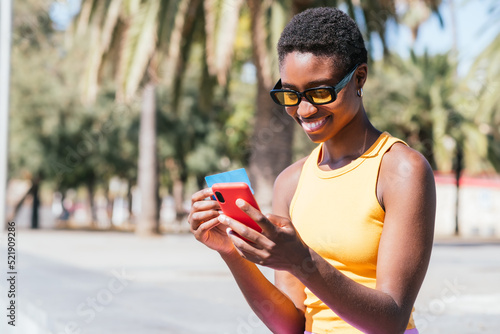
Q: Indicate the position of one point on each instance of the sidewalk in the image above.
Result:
(111, 282)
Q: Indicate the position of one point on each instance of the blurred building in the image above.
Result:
(478, 206)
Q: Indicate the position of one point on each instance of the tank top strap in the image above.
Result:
(382, 145)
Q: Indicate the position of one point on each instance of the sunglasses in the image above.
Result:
(316, 96)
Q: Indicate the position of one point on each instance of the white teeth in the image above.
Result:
(313, 126)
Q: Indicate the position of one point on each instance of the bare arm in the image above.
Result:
(274, 305)
(284, 189)
(279, 306)
(407, 191)
(269, 303)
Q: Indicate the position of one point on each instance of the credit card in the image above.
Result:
(237, 175)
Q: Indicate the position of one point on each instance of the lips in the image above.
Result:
(312, 126)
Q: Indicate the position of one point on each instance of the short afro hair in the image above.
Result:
(325, 32)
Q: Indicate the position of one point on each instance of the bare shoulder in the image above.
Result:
(285, 186)
(405, 161)
(403, 169)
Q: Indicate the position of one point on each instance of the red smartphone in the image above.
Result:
(227, 194)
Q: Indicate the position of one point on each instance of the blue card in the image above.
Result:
(237, 175)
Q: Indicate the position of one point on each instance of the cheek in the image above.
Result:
(292, 111)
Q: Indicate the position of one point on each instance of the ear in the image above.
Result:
(361, 75)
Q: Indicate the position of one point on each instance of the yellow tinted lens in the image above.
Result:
(287, 98)
(319, 95)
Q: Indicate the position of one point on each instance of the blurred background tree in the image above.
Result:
(149, 31)
(480, 100)
(161, 93)
(53, 137)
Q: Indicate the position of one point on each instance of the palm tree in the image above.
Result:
(434, 113)
(139, 36)
(131, 40)
(483, 101)
(431, 112)
(31, 33)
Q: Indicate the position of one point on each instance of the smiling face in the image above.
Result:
(301, 71)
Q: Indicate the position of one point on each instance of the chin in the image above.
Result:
(316, 139)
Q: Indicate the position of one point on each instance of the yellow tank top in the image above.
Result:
(338, 215)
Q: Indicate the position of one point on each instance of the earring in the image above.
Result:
(360, 92)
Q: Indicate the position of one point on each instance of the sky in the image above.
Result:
(62, 12)
(474, 32)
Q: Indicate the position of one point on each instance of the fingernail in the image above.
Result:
(222, 218)
(229, 231)
(240, 202)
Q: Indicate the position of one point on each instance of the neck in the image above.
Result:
(350, 143)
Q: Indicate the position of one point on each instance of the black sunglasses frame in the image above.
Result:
(300, 95)
(333, 91)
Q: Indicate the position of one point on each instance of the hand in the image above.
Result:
(279, 246)
(204, 223)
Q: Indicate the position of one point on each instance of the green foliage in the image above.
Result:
(421, 101)
(206, 110)
(52, 135)
(480, 98)
(37, 95)
(196, 139)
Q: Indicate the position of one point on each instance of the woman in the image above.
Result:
(351, 232)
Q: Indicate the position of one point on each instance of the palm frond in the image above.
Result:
(137, 48)
(260, 34)
(210, 8)
(98, 20)
(221, 22)
(131, 7)
(169, 11)
(192, 14)
(94, 58)
(485, 71)
(110, 21)
(84, 17)
(174, 47)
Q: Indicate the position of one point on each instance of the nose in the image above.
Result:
(306, 109)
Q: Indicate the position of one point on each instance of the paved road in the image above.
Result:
(461, 292)
(110, 282)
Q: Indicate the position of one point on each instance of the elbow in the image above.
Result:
(293, 325)
(393, 327)
(398, 326)
(394, 324)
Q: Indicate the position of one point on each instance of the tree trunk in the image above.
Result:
(129, 199)
(148, 222)
(458, 167)
(178, 193)
(19, 205)
(271, 147)
(271, 144)
(93, 211)
(35, 191)
(301, 5)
